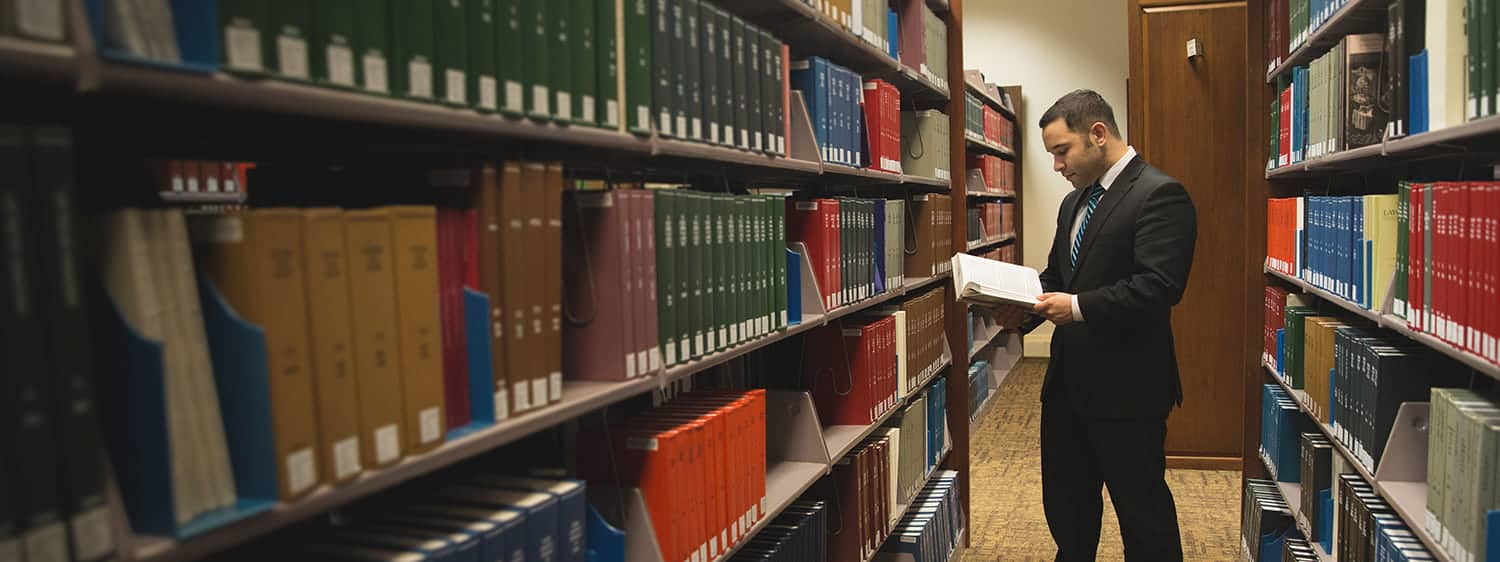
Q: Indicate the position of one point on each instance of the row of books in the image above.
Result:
(1266, 521)
(1427, 248)
(838, 105)
(53, 499)
(1282, 425)
(979, 385)
(989, 220)
(983, 121)
(483, 515)
(925, 150)
(1327, 106)
(999, 174)
(672, 275)
(798, 534)
(1293, 22)
(930, 530)
(700, 463)
(908, 30)
(1462, 464)
(1368, 528)
(178, 177)
(1355, 378)
(859, 248)
(1005, 253)
(876, 360)
(1316, 514)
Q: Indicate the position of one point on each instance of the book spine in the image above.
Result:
(451, 51)
(511, 36)
(483, 22)
(536, 48)
(586, 42)
(664, 94)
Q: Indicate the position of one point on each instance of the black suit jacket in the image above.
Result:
(1132, 268)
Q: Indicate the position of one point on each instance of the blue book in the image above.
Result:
(810, 76)
(1416, 97)
(793, 288)
(893, 30)
(434, 550)
(937, 413)
(504, 539)
(572, 509)
(540, 510)
(461, 546)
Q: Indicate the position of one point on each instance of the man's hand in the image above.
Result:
(1057, 307)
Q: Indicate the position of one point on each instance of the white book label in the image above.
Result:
(301, 471)
(387, 444)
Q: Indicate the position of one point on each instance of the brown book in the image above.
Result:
(552, 279)
(255, 260)
(377, 342)
(597, 332)
(918, 243)
(414, 245)
(517, 311)
(492, 280)
(327, 266)
(533, 262)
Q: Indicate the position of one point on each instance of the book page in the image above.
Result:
(991, 281)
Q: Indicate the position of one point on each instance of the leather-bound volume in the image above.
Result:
(552, 280)
(491, 229)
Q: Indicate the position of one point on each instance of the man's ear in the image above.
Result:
(1098, 134)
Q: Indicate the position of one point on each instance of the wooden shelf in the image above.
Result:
(1003, 238)
(1454, 141)
(1409, 499)
(982, 144)
(992, 194)
(1395, 324)
(1355, 17)
(579, 398)
(39, 62)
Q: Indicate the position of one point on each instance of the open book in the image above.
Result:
(995, 283)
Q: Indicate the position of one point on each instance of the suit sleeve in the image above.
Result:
(1165, 236)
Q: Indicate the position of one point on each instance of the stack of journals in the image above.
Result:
(1462, 467)
(716, 78)
(1362, 514)
(924, 342)
(924, 144)
(799, 534)
(834, 96)
(859, 385)
(700, 463)
(1396, 543)
(860, 483)
(853, 245)
(996, 128)
(929, 217)
(476, 517)
(1272, 332)
(871, 20)
(1316, 513)
(930, 529)
(1446, 281)
(672, 275)
(55, 499)
(1281, 427)
(1265, 521)
(924, 41)
(999, 174)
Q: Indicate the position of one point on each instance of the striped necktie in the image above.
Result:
(1096, 192)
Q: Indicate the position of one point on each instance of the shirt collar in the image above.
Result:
(1119, 167)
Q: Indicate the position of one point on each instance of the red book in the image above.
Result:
(891, 98)
(804, 223)
(471, 249)
(596, 349)
(450, 310)
(833, 251)
(1285, 146)
(1415, 289)
(646, 233)
(786, 99)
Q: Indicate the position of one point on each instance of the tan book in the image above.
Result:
(255, 260)
(552, 278)
(414, 241)
(533, 262)
(377, 343)
(520, 345)
(492, 280)
(334, 376)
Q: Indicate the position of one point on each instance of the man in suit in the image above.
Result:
(1119, 262)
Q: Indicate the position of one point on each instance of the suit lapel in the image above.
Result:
(1107, 204)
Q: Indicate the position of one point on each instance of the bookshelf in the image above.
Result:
(324, 113)
(1354, 17)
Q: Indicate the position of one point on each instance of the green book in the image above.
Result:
(535, 48)
(607, 63)
(484, 86)
(510, 44)
(663, 93)
(585, 63)
(741, 74)
(685, 273)
(770, 94)
(412, 43)
(452, 45)
(245, 25)
(292, 23)
(699, 264)
(725, 73)
(639, 27)
(708, 41)
(778, 257)
(725, 293)
(753, 94)
(1295, 330)
(666, 278)
(767, 270)
(373, 42)
(334, 44)
(560, 59)
(677, 58)
(693, 67)
(713, 271)
(1476, 56)
(1403, 237)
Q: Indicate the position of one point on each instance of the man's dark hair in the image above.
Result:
(1080, 109)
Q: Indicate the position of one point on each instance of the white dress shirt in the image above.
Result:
(1105, 182)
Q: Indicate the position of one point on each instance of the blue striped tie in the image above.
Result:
(1096, 191)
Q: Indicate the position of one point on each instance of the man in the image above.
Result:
(1119, 262)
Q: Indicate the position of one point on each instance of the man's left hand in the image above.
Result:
(1057, 307)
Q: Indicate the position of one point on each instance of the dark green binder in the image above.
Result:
(741, 83)
(725, 73)
(292, 25)
(333, 44)
(412, 29)
(510, 48)
(373, 45)
(607, 64)
(693, 66)
(536, 45)
(560, 60)
(663, 93)
(585, 63)
(708, 41)
(753, 89)
(484, 85)
(666, 274)
(678, 61)
(452, 51)
(640, 81)
(245, 29)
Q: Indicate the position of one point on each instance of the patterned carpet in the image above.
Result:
(1006, 491)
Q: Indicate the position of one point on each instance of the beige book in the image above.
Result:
(377, 345)
(414, 245)
(334, 375)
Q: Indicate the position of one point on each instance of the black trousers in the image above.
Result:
(1079, 456)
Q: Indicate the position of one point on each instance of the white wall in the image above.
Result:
(1048, 48)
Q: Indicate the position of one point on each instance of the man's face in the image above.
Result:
(1077, 156)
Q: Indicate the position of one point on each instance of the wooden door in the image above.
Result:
(1187, 117)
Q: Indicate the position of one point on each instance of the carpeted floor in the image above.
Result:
(1006, 490)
